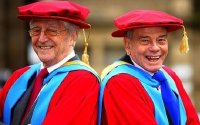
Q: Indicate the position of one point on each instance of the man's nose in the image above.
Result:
(42, 36)
(154, 46)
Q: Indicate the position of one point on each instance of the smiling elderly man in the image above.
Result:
(61, 90)
(138, 89)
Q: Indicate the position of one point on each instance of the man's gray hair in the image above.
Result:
(129, 34)
(71, 27)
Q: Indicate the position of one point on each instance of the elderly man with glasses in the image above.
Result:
(61, 89)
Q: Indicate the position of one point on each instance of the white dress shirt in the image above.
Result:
(68, 57)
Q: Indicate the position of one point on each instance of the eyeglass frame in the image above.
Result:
(46, 32)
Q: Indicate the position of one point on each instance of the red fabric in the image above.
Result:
(36, 89)
(74, 102)
(127, 103)
(9, 83)
(61, 10)
(145, 18)
(190, 110)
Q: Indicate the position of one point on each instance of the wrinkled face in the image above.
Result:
(148, 47)
(51, 40)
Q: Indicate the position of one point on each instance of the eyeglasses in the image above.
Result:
(48, 32)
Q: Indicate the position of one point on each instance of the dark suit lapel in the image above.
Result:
(20, 107)
(127, 59)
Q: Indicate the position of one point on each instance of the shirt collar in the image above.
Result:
(67, 58)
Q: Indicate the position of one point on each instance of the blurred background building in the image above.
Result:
(16, 51)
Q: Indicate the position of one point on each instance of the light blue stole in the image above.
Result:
(149, 85)
(51, 83)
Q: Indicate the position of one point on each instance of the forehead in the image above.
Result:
(150, 30)
(46, 22)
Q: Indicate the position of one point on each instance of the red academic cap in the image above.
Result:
(145, 18)
(60, 10)
(150, 18)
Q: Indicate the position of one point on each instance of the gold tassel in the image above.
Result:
(85, 56)
(184, 46)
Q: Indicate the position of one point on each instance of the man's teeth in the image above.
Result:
(153, 57)
(45, 47)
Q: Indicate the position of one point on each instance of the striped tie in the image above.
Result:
(36, 89)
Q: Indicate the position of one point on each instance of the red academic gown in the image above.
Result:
(127, 103)
(73, 103)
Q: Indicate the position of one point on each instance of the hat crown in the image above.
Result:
(145, 18)
(61, 10)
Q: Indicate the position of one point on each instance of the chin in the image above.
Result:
(153, 69)
(44, 60)
(156, 69)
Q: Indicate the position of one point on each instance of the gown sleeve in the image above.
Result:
(75, 101)
(126, 102)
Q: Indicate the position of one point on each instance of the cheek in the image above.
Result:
(165, 50)
(62, 47)
(34, 41)
(138, 51)
(138, 54)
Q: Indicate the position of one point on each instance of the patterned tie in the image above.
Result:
(169, 98)
(36, 89)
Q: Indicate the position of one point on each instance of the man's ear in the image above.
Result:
(127, 45)
(74, 37)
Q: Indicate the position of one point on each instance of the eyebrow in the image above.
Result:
(33, 26)
(140, 37)
(165, 35)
